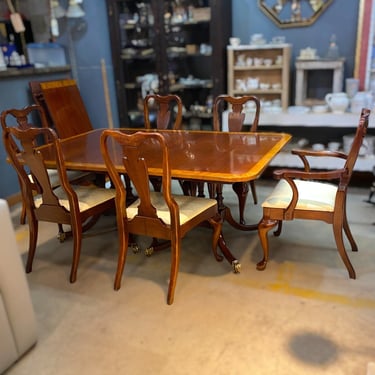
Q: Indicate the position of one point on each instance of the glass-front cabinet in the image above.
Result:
(169, 47)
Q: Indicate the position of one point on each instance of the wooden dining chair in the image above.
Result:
(41, 118)
(155, 214)
(235, 107)
(314, 195)
(168, 111)
(78, 206)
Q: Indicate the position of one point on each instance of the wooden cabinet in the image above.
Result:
(260, 70)
(168, 47)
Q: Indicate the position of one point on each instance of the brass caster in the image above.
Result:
(135, 248)
(61, 236)
(149, 251)
(236, 265)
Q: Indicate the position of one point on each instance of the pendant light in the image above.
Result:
(56, 9)
(74, 9)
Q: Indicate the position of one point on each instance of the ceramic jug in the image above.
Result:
(362, 99)
(338, 102)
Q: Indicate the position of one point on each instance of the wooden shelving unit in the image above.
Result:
(181, 44)
(244, 70)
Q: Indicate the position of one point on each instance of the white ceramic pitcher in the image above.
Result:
(338, 102)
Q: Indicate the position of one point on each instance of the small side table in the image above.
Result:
(302, 68)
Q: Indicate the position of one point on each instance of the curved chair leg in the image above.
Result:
(217, 225)
(123, 249)
(263, 228)
(211, 190)
(175, 261)
(349, 233)
(33, 238)
(337, 231)
(200, 187)
(77, 242)
(253, 192)
(156, 183)
(241, 189)
(277, 232)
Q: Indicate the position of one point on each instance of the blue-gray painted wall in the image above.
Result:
(92, 45)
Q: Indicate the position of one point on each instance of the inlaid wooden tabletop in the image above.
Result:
(200, 155)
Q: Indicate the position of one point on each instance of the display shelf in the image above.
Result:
(310, 123)
(174, 41)
(252, 66)
(287, 160)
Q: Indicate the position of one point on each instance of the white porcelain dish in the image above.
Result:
(298, 109)
(319, 108)
(318, 147)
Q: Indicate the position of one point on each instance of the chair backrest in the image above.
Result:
(28, 161)
(65, 106)
(235, 107)
(139, 152)
(37, 95)
(21, 118)
(164, 106)
(356, 145)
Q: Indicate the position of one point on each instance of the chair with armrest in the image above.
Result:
(236, 117)
(155, 214)
(311, 195)
(77, 206)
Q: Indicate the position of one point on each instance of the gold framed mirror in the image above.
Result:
(293, 13)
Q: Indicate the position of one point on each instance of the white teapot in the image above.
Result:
(338, 102)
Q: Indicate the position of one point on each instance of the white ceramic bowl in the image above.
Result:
(318, 147)
(234, 41)
(267, 62)
(333, 146)
(320, 108)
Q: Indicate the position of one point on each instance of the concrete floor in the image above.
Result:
(302, 315)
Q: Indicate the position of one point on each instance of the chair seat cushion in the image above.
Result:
(189, 207)
(312, 195)
(88, 196)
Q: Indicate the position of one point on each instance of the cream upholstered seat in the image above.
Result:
(189, 207)
(88, 196)
(158, 215)
(314, 195)
(74, 205)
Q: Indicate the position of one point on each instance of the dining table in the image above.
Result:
(210, 156)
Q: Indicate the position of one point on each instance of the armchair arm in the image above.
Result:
(306, 175)
(303, 154)
(291, 174)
